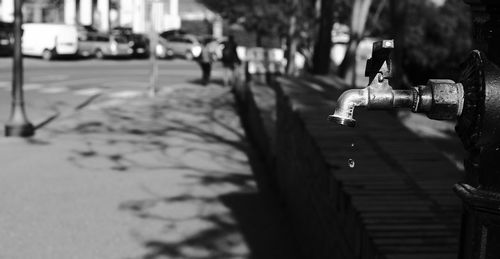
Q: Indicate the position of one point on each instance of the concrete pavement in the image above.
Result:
(164, 177)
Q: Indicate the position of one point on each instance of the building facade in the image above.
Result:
(140, 15)
(102, 14)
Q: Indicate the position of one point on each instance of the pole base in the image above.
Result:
(20, 130)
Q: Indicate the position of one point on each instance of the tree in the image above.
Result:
(436, 39)
(260, 16)
(291, 39)
(430, 40)
(398, 12)
(323, 45)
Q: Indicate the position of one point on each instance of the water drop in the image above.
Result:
(352, 144)
(351, 163)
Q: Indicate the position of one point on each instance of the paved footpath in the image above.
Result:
(164, 177)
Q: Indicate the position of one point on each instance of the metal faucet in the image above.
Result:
(440, 99)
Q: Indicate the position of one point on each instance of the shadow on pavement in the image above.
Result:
(259, 228)
(216, 81)
(213, 208)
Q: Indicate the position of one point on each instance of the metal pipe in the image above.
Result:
(439, 99)
(377, 97)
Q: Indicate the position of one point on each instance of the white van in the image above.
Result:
(49, 40)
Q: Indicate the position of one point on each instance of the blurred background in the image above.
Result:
(331, 39)
(429, 34)
(199, 198)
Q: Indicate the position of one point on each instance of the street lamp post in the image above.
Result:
(18, 124)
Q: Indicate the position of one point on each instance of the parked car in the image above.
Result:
(6, 38)
(49, 40)
(102, 45)
(140, 45)
(172, 33)
(87, 28)
(138, 42)
(161, 48)
(186, 46)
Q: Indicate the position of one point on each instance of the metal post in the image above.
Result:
(18, 124)
(153, 76)
(156, 9)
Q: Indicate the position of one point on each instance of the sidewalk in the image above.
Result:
(168, 177)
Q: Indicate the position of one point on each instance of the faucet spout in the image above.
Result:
(346, 103)
(377, 96)
(439, 99)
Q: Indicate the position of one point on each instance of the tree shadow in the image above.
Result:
(263, 225)
(184, 124)
(217, 211)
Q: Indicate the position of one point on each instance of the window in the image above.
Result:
(82, 37)
(102, 38)
(120, 39)
(175, 39)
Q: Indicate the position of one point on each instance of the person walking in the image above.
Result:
(230, 59)
(205, 60)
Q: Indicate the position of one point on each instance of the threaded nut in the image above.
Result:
(447, 99)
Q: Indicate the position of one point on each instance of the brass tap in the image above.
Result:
(439, 99)
(379, 95)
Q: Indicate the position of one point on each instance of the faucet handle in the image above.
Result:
(381, 60)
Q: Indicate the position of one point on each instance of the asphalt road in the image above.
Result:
(59, 86)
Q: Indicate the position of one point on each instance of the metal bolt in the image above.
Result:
(380, 78)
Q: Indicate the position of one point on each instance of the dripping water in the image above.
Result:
(350, 162)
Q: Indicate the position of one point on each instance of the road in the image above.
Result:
(61, 85)
(132, 177)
